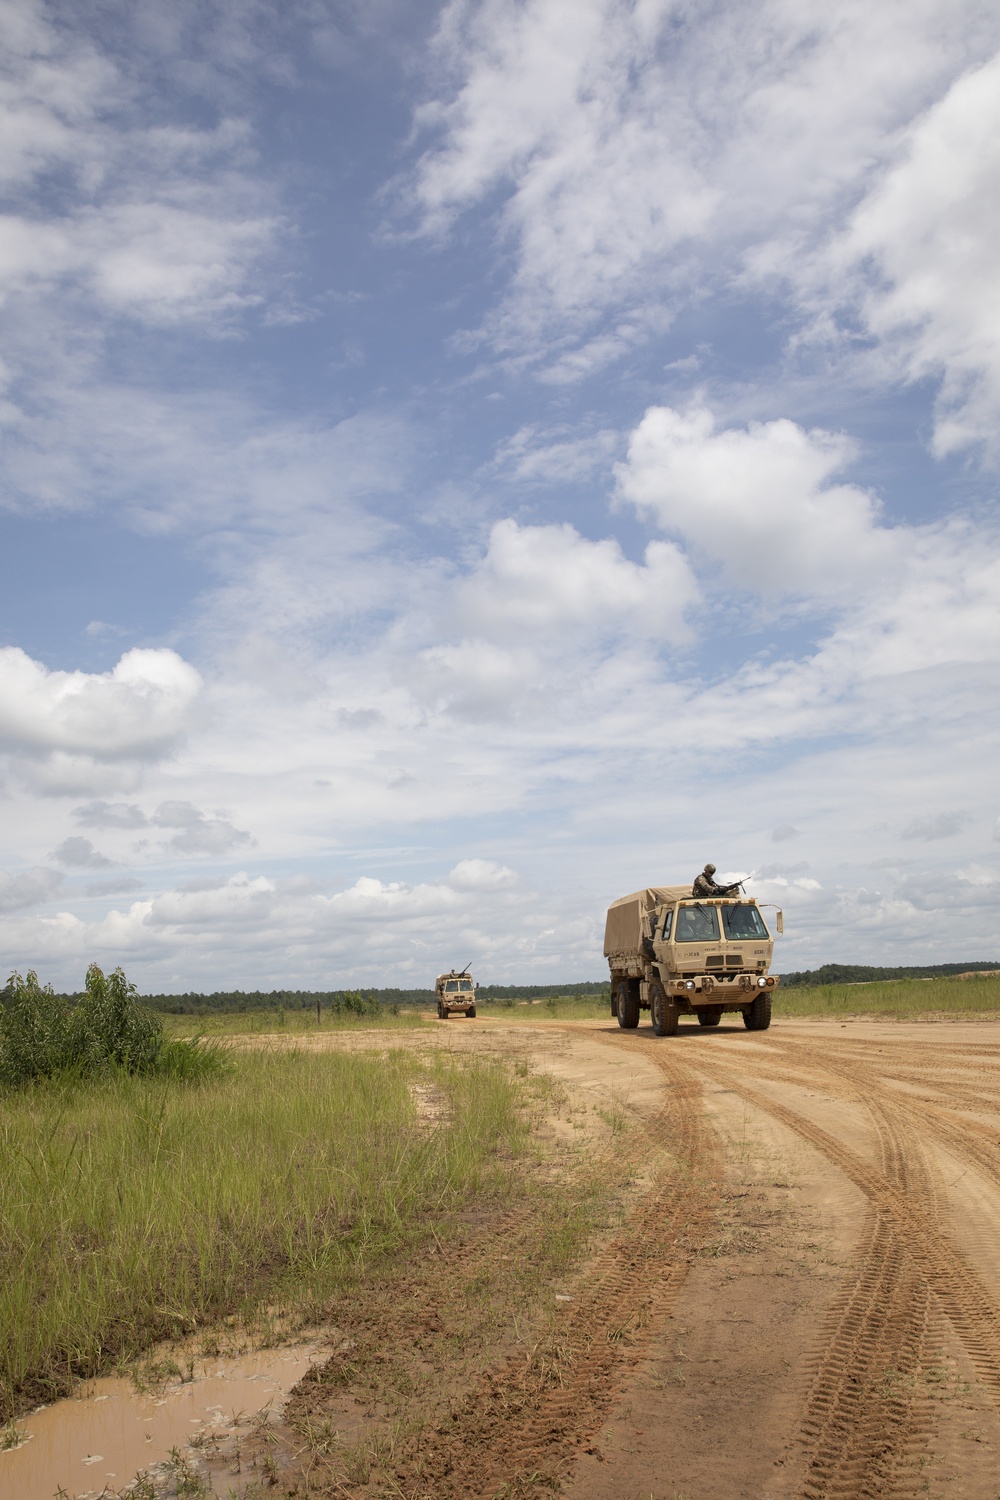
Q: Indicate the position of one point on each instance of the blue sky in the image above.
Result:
(461, 462)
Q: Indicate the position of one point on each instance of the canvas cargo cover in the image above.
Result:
(623, 929)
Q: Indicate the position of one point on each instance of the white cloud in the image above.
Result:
(539, 582)
(760, 501)
(636, 150)
(159, 221)
(550, 459)
(481, 875)
(939, 826)
(923, 247)
(29, 888)
(79, 853)
(198, 834)
(135, 711)
(111, 815)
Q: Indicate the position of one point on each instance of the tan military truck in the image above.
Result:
(455, 994)
(677, 956)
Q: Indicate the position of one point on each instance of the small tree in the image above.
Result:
(109, 1025)
(42, 1034)
(35, 1039)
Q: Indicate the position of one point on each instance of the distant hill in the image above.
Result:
(866, 973)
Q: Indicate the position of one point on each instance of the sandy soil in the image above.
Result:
(798, 1294)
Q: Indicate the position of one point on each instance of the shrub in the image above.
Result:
(34, 1031)
(43, 1034)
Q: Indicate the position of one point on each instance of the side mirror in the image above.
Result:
(781, 920)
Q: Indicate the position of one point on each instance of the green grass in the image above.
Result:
(902, 998)
(551, 1008)
(284, 1023)
(133, 1209)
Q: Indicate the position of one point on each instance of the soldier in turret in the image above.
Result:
(705, 885)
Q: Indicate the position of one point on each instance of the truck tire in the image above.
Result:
(757, 1017)
(709, 1017)
(626, 1005)
(663, 1011)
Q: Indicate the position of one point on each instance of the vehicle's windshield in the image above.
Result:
(739, 922)
(696, 924)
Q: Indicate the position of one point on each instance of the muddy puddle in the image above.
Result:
(202, 1423)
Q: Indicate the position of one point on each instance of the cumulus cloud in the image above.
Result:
(198, 833)
(543, 581)
(111, 815)
(135, 711)
(79, 853)
(938, 826)
(760, 501)
(29, 888)
(481, 875)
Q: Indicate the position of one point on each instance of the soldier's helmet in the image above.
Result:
(709, 869)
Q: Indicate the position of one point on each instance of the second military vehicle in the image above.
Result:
(455, 994)
(674, 955)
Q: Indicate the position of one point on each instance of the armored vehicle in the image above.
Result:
(455, 994)
(674, 955)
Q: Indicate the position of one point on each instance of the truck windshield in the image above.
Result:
(696, 924)
(741, 922)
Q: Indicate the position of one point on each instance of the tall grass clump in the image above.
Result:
(44, 1035)
(132, 1209)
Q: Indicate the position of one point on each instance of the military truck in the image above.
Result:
(677, 956)
(455, 994)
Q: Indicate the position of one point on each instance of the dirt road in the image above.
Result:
(802, 1297)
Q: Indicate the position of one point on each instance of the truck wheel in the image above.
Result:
(626, 1006)
(709, 1017)
(663, 1011)
(471, 1012)
(757, 1017)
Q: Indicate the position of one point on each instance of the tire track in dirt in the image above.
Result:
(518, 1431)
(863, 1430)
(975, 1142)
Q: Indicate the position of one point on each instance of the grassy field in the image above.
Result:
(552, 1007)
(906, 999)
(288, 1023)
(303, 1022)
(133, 1209)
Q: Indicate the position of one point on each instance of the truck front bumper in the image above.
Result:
(721, 989)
